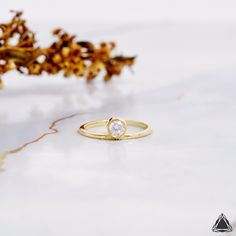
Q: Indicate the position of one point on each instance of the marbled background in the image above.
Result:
(174, 182)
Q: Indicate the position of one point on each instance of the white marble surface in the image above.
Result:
(174, 182)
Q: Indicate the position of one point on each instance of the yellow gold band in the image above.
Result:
(117, 129)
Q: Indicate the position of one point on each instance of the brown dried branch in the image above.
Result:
(81, 59)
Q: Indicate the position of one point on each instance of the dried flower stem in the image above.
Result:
(78, 58)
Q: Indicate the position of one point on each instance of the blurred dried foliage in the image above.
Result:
(66, 55)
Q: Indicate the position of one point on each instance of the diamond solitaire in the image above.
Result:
(116, 127)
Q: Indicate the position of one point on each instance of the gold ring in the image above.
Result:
(117, 129)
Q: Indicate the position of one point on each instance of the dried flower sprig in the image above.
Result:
(66, 54)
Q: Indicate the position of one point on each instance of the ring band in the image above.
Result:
(117, 129)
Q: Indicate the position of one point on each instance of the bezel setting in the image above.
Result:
(116, 127)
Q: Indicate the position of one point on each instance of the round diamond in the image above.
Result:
(117, 128)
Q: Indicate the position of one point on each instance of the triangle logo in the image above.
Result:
(222, 225)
